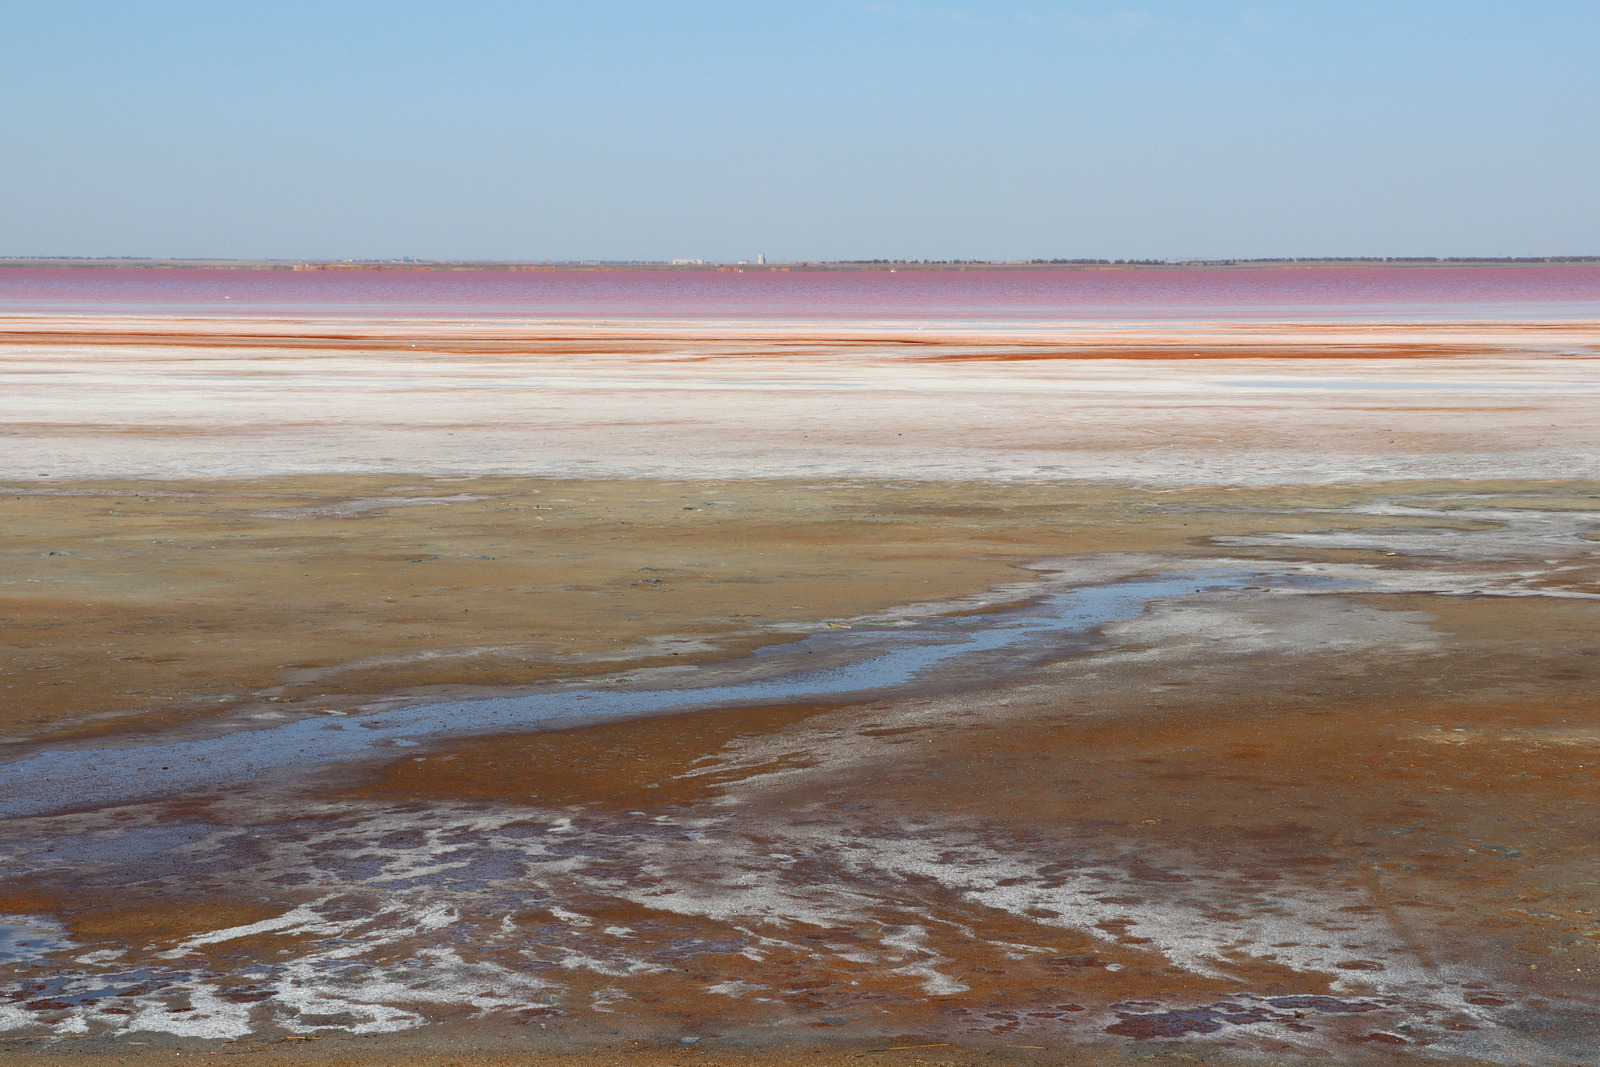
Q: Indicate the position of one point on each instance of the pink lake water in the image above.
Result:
(1385, 294)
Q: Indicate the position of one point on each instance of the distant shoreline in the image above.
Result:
(115, 263)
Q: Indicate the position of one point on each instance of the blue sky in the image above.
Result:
(810, 129)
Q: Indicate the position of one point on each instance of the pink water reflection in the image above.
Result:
(1380, 293)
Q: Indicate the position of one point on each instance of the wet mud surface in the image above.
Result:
(1331, 796)
(431, 693)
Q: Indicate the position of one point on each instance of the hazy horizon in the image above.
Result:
(1242, 261)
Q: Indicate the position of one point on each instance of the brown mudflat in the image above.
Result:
(1325, 794)
(1337, 809)
(130, 603)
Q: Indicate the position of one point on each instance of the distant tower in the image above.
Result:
(761, 259)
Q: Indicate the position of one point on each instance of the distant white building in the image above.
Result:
(688, 263)
(761, 258)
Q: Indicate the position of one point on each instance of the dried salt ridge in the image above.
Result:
(1268, 405)
(395, 914)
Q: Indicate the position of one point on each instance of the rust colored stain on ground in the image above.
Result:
(1339, 807)
(1172, 837)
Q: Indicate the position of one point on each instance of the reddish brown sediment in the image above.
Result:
(1339, 809)
(454, 1046)
(692, 348)
(1415, 781)
(693, 342)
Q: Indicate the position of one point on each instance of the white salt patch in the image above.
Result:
(733, 988)
(301, 920)
(572, 917)
(573, 960)
(211, 1017)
